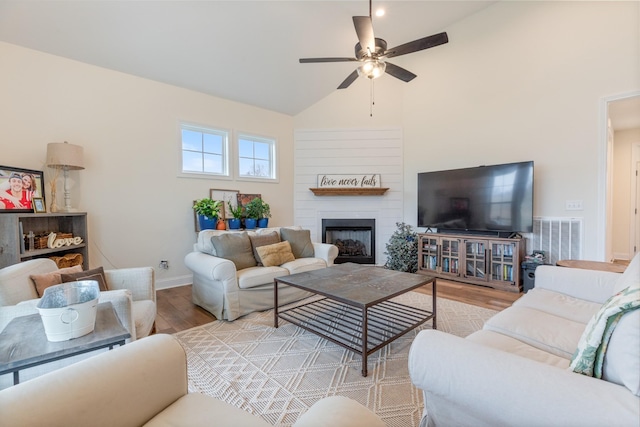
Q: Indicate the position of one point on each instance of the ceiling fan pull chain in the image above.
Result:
(372, 99)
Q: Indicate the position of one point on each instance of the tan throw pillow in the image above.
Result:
(96, 274)
(235, 247)
(300, 241)
(258, 240)
(43, 281)
(276, 254)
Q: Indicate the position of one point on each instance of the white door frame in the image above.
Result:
(601, 232)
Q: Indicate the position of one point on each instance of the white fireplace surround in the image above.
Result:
(349, 151)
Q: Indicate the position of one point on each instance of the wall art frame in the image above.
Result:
(20, 200)
(225, 196)
(244, 199)
(38, 205)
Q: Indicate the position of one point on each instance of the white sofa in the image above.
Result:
(145, 383)
(228, 293)
(515, 371)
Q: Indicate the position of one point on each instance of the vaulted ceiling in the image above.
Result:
(246, 51)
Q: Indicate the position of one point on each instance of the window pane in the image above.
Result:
(212, 163)
(262, 150)
(262, 168)
(191, 161)
(245, 148)
(246, 167)
(212, 143)
(191, 140)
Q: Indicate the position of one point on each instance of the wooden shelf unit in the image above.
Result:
(479, 260)
(376, 191)
(68, 222)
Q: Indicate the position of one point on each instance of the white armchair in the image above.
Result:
(132, 296)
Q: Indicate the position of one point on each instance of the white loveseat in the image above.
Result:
(515, 371)
(229, 293)
(145, 383)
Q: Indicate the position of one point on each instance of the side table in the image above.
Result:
(592, 265)
(24, 344)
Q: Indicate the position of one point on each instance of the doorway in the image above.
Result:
(619, 199)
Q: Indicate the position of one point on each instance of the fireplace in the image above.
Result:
(355, 239)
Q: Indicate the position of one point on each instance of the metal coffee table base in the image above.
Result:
(361, 331)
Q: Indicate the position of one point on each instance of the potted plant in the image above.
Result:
(402, 249)
(208, 211)
(236, 213)
(259, 210)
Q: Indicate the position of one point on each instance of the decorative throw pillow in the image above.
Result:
(96, 274)
(275, 254)
(300, 241)
(43, 281)
(258, 240)
(235, 247)
(593, 346)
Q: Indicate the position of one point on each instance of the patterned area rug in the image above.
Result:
(278, 374)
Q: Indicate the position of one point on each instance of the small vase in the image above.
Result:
(263, 222)
(207, 223)
(221, 225)
(234, 223)
(250, 223)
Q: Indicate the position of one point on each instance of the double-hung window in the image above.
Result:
(204, 151)
(256, 157)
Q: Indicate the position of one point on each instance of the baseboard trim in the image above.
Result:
(174, 282)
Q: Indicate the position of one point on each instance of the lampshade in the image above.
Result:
(372, 68)
(63, 154)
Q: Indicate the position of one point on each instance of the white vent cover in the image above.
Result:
(559, 238)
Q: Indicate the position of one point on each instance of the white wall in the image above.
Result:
(517, 81)
(139, 211)
(347, 152)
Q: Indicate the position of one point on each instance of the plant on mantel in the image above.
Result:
(207, 207)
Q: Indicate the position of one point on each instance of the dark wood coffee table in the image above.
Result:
(356, 312)
(23, 342)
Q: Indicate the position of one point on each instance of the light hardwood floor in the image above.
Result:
(176, 312)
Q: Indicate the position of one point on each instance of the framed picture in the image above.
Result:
(195, 217)
(244, 199)
(18, 188)
(225, 196)
(38, 205)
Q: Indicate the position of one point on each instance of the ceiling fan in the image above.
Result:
(372, 53)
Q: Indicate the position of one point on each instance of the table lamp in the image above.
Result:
(65, 156)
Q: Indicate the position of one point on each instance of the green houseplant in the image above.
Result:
(260, 210)
(208, 211)
(236, 213)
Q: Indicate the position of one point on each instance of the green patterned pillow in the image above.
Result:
(592, 348)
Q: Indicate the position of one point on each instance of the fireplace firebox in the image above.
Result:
(355, 239)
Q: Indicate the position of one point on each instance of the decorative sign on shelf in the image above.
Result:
(349, 181)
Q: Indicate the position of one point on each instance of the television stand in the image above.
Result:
(470, 258)
(498, 234)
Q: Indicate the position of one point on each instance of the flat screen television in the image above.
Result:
(496, 199)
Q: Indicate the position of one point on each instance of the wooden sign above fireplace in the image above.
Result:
(349, 181)
(349, 185)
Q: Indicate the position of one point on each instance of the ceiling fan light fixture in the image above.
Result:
(372, 68)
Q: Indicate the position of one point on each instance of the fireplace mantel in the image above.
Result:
(368, 191)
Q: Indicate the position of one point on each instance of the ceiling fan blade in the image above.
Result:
(399, 72)
(352, 77)
(416, 45)
(364, 30)
(310, 60)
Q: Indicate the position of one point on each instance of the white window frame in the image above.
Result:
(226, 151)
(273, 145)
